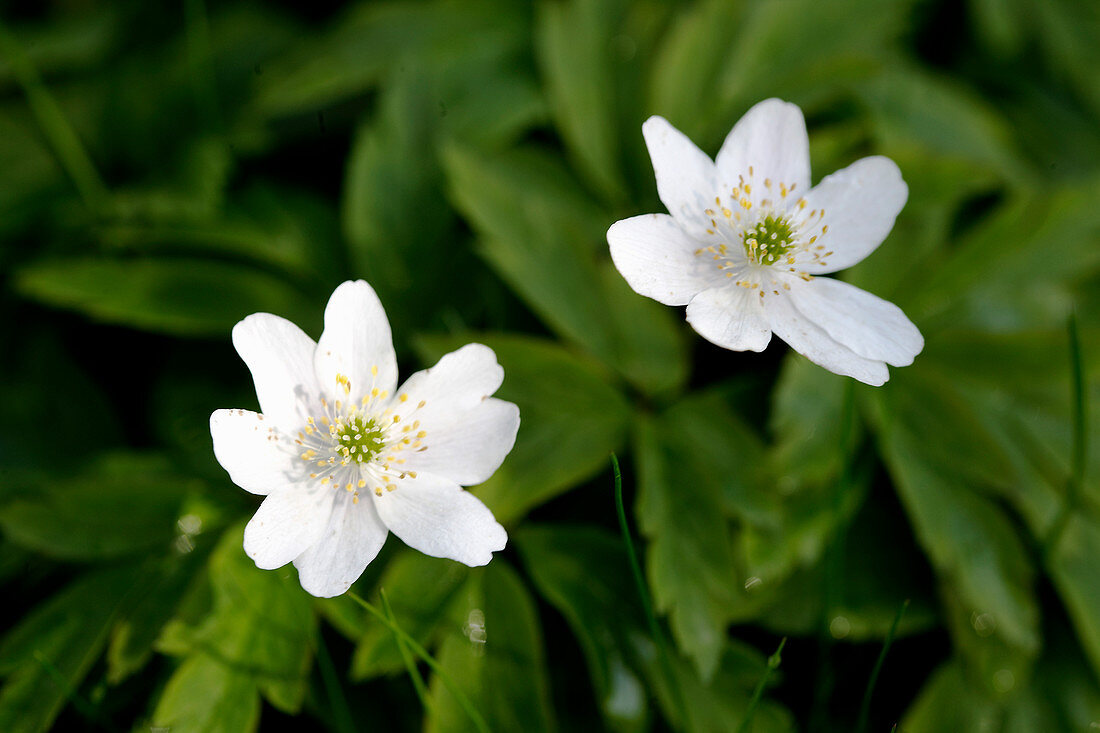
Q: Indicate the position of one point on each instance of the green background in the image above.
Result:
(168, 168)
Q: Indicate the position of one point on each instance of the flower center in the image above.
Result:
(769, 239)
(359, 437)
(361, 445)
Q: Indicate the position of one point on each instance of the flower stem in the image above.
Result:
(56, 129)
(1078, 458)
(647, 604)
(865, 707)
(406, 655)
(773, 664)
(471, 712)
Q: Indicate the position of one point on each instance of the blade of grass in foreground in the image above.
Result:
(1080, 439)
(647, 604)
(56, 129)
(467, 706)
(865, 707)
(773, 664)
(406, 655)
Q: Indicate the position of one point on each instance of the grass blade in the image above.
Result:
(865, 707)
(56, 129)
(471, 712)
(341, 713)
(773, 664)
(647, 603)
(406, 655)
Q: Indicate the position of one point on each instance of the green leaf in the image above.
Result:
(138, 627)
(394, 215)
(948, 702)
(976, 551)
(1073, 569)
(914, 111)
(574, 46)
(807, 405)
(583, 573)
(122, 505)
(206, 696)
(689, 460)
(546, 240)
(496, 659)
(370, 40)
(561, 442)
(261, 626)
(47, 655)
(421, 589)
(162, 295)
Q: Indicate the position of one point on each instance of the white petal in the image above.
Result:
(457, 383)
(280, 357)
(349, 543)
(817, 346)
(860, 204)
(356, 338)
(868, 325)
(687, 180)
(731, 317)
(771, 137)
(258, 457)
(471, 448)
(657, 258)
(286, 524)
(439, 518)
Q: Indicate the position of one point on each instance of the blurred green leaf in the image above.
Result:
(681, 502)
(583, 573)
(370, 39)
(206, 696)
(421, 589)
(496, 659)
(912, 110)
(122, 505)
(138, 627)
(561, 442)
(542, 235)
(975, 549)
(807, 405)
(261, 626)
(574, 43)
(47, 655)
(947, 702)
(162, 295)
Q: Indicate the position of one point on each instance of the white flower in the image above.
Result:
(344, 457)
(747, 236)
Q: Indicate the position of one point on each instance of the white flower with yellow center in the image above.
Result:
(747, 238)
(344, 457)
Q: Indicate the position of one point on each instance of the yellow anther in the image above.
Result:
(403, 398)
(421, 404)
(374, 371)
(362, 482)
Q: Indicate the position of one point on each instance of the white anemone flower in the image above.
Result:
(344, 456)
(747, 238)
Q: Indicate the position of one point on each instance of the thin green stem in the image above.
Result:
(865, 707)
(773, 664)
(1079, 455)
(647, 603)
(341, 713)
(471, 712)
(406, 655)
(56, 129)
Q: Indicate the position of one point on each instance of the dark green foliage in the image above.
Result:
(167, 169)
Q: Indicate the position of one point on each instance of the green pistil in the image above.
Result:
(360, 438)
(768, 241)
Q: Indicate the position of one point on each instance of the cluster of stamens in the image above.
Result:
(359, 444)
(769, 230)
